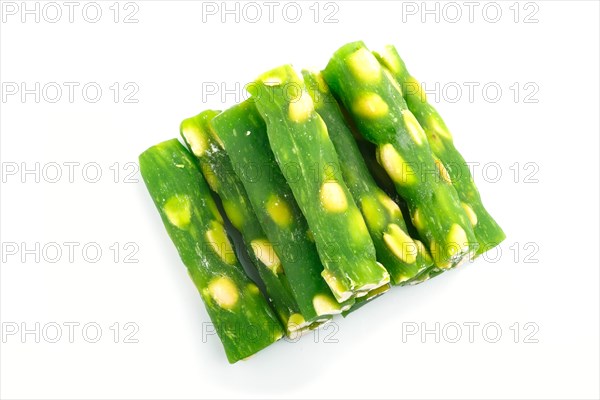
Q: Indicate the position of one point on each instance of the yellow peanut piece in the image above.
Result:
(414, 128)
(178, 210)
(371, 294)
(322, 86)
(370, 105)
(364, 66)
(395, 166)
(252, 288)
(457, 240)
(234, 214)
(400, 244)
(434, 124)
(194, 137)
(295, 321)
(390, 205)
(372, 213)
(325, 305)
(390, 60)
(336, 286)
(439, 255)
(417, 219)
(436, 143)
(359, 231)
(443, 171)
(322, 128)
(300, 109)
(212, 206)
(414, 88)
(279, 211)
(210, 176)
(402, 278)
(217, 238)
(263, 250)
(470, 213)
(224, 292)
(271, 80)
(333, 198)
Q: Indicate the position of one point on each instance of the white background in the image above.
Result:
(169, 54)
